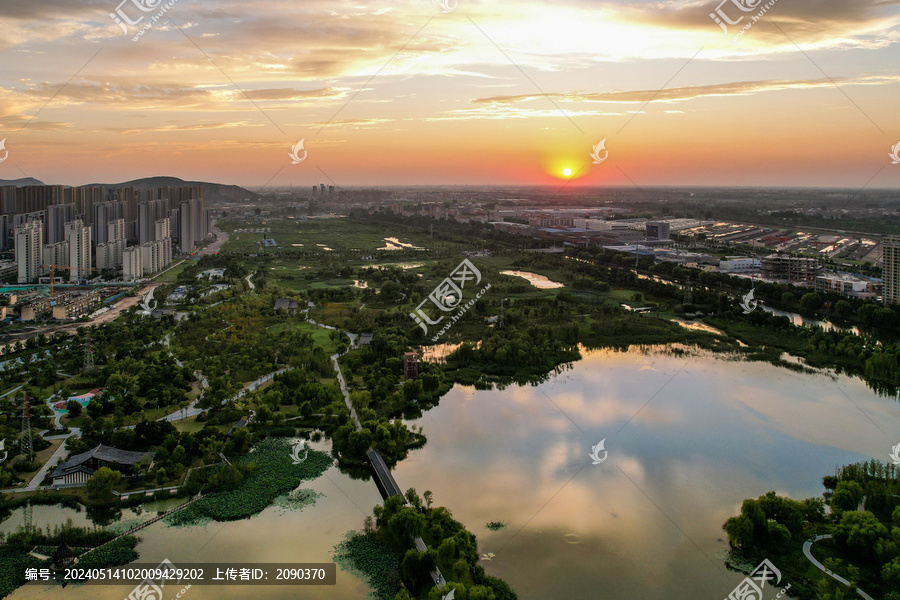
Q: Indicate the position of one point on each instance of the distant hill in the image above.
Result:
(21, 182)
(215, 192)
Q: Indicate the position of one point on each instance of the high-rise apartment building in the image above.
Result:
(78, 235)
(57, 217)
(186, 231)
(29, 250)
(890, 246)
(163, 229)
(56, 255)
(104, 214)
(132, 264)
(5, 233)
(148, 214)
(84, 199)
(115, 230)
(156, 255)
(109, 255)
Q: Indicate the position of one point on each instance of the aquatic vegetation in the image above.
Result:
(497, 525)
(297, 499)
(120, 552)
(366, 554)
(13, 562)
(274, 475)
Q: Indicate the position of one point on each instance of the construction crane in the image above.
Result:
(54, 267)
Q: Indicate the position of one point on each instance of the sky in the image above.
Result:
(452, 92)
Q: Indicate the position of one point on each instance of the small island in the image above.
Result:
(844, 545)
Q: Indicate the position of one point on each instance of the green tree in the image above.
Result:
(102, 483)
(847, 496)
(843, 309)
(811, 302)
(406, 525)
(74, 407)
(859, 532)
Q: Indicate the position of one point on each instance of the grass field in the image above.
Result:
(169, 275)
(338, 234)
(190, 425)
(321, 336)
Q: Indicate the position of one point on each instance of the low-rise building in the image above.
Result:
(76, 305)
(81, 467)
(285, 304)
(738, 264)
(9, 271)
(846, 284)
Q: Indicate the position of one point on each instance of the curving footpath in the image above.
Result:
(807, 545)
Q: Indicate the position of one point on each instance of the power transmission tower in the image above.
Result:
(26, 444)
(27, 514)
(88, 355)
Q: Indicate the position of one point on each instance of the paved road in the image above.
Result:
(221, 238)
(60, 454)
(12, 391)
(340, 377)
(192, 410)
(382, 472)
(806, 550)
(250, 283)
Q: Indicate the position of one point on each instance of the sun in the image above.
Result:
(567, 172)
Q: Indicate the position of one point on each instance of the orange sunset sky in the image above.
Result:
(481, 93)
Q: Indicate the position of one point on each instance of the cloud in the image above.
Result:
(168, 96)
(170, 128)
(737, 88)
(809, 21)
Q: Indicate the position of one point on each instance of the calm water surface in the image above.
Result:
(689, 437)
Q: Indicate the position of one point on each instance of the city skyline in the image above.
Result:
(484, 94)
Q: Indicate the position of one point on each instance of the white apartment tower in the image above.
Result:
(163, 229)
(78, 237)
(132, 264)
(29, 249)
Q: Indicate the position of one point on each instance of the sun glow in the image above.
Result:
(567, 172)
